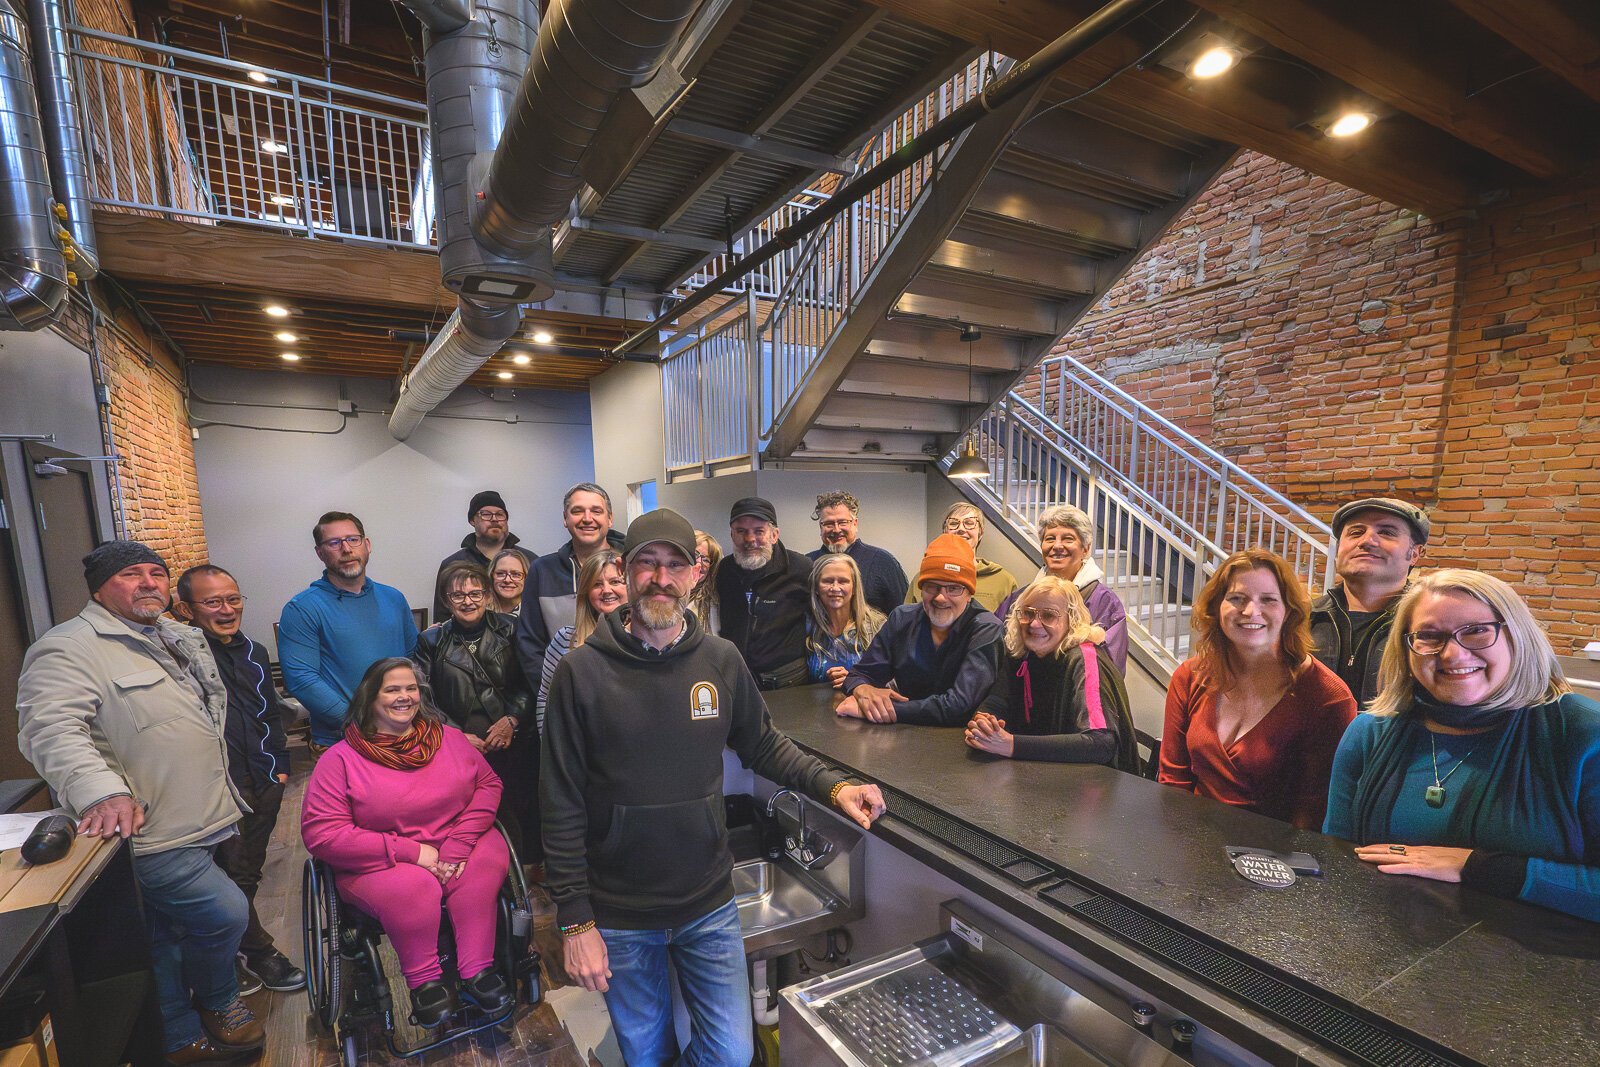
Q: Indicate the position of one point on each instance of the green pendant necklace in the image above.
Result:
(1435, 793)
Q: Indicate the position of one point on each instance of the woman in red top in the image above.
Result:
(1252, 718)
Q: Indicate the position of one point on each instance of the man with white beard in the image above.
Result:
(941, 653)
(764, 595)
(631, 795)
(883, 581)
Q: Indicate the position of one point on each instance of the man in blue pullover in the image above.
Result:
(331, 632)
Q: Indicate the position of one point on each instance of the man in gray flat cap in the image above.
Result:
(1379, 539)
(122, 712)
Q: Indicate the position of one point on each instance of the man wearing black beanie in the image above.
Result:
(122, 711)
(491, 533)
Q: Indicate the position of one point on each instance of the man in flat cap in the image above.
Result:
(122, 712)
(764, 595)
(1379, 539)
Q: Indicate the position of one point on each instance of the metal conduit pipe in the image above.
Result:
(588, 52)
(473, 333)
(33, 269)
(63, 128)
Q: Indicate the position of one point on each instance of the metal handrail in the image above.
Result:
(1153, 568)
(1146, 415)
(704, 397)
(186, 135)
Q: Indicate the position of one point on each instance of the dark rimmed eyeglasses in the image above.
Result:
(333, 544)
(1474, 637)
(217, 603)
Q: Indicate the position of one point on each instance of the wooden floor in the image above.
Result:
(294, 1038)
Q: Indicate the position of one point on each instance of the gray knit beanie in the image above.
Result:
(113, 556)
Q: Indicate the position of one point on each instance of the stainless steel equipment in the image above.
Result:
(976, 995)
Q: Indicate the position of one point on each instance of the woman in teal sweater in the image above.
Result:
(1476, 763)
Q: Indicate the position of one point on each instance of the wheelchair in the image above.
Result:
(350, 991)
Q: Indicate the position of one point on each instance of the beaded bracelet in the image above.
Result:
(839, 787)
(580, 928)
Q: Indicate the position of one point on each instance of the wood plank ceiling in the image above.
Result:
(1470, 99)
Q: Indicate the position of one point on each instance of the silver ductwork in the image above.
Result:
(588, 52)
(33, 268)
(440, 16)
(473, 74)
(472, 334)
(63, 129)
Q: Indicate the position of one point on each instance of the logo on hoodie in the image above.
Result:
(703, 701)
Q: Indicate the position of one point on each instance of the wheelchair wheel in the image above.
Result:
(319, 905)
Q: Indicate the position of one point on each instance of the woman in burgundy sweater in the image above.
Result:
(1252, 719)
(403, 810)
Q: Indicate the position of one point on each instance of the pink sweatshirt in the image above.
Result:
(359, 816)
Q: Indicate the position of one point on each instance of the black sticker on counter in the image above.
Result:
(1264, 870)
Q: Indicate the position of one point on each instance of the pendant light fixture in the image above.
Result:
(969, 466)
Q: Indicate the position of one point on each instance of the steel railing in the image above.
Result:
(837, 261)
(193, 136)
(704, 390)
(1189, 481)
(767, 281)
(1153, 564)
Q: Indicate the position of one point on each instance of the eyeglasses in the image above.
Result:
(492, 516)
(1474, 636)
(701, 557)
(949, 591)
(333, 544)
(217, 603)
(963, 524)
(508, 576)
(838, 524)
(1047, 616)
(465, 598)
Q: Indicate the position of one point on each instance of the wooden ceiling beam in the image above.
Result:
(1562, 35)
(1406, 163)
(162, 250)
(1409, 57)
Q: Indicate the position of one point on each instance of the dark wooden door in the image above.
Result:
(64, 507)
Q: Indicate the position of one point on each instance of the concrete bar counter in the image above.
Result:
(1131, 878)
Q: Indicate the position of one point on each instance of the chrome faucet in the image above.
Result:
(809, 850)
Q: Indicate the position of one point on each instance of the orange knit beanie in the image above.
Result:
(949, 559)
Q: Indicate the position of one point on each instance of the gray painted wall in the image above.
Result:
(625, 403)
(261, 489)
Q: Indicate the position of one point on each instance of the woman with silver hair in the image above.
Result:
(1476, 762)
(1066, 537)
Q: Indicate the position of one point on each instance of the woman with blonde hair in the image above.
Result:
(1476, 762)
(1252, 718)
(602, 589)
(508, 576)
(841, 624)
(1058, 695)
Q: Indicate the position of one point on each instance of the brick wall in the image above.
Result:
(160, 492)
(1337, 346)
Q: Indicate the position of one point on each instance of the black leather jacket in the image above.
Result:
(475, 691)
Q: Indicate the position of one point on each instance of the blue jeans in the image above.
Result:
(196, 916)
(708, 955)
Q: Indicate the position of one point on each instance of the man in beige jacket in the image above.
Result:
(121, 711)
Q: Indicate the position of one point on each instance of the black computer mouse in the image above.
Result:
(50, 840)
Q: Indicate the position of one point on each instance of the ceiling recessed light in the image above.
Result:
(291, 357)
(277, 311)
(276, 148)
(542, 337)
(1349, 124)
(286, 337)
(260, 77)
(504, 376)
(522, 359)
(283, 201)
(1212, 62)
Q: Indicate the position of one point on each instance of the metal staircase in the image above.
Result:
(928, 310)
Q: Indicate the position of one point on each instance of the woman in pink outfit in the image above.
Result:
(403, 810)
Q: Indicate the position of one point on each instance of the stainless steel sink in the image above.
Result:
(1044, 1045)
(781, 905)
